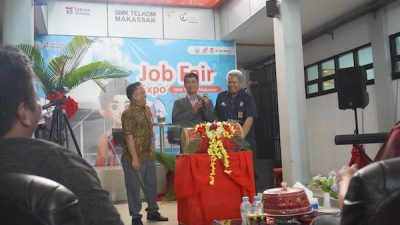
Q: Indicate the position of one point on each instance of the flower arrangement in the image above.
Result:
(214, 134)
(326, 184)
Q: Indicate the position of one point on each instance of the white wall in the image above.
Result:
(345, 38)
(235, 12)
(325, 120)
(122, 20)
(1, 21)
(393, 12)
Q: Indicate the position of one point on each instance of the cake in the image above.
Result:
(286, 201)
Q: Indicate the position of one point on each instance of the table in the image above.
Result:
(302, 219)
(199, 203)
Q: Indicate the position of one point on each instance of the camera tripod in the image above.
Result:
(59, 125)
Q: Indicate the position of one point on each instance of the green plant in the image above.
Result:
(326, 184)
(168, 161)
(65, 70)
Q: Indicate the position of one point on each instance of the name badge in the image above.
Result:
(240, 115)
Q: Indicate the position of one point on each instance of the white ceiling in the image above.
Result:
(259, 29)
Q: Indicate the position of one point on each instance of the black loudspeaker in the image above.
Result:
(351, 87)
(272, 8)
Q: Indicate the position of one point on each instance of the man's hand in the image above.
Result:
(343, 180)
(135, 163)
(196, 107)
(346, 173)
(204, 100)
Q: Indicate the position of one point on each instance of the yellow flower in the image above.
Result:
(216, 149)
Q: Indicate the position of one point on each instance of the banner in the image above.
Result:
(189, 23)
(141, 21)
(158, 64)
(73, 18)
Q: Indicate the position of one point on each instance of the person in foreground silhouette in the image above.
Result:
(20, 153)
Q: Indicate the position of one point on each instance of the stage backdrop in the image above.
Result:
(158, 64)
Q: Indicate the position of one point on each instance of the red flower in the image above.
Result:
(227, 128)
(55, 96)
(202, 130)
(213, 126)
(70, 106)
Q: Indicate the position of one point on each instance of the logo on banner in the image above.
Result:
(211, 50)
(69, 10)
(135, 16)
(77, 11)
(185, 17)
(158, 79)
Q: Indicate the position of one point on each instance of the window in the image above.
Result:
(328, 68)
(313, 88)
(312, 73)
(346, 60)
(320, 77)
(395, 54)
(365, 59)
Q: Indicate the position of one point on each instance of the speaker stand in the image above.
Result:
(357, 146)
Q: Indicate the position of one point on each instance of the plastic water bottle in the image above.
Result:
(257, 205)
(245, 208)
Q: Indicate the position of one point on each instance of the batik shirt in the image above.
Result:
(136, 121)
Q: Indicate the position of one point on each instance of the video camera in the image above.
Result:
(55, 96)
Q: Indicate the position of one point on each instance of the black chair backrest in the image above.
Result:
(174, 135)
(33, 200)
(373, 197)
(118, 136)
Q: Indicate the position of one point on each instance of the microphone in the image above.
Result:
(203, 102)
(203, 107)
(360, 138)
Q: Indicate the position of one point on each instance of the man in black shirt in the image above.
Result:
(235, 104)
(19, 115)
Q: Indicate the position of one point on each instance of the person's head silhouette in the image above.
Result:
(20, 109)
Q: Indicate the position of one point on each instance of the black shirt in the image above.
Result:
(237, 108)
(46, 159)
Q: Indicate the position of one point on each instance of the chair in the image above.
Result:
(391, 146)
(373, 197)
(174, 136)
(116, 144)
(33, 200)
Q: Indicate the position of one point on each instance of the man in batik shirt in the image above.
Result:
(138, 158)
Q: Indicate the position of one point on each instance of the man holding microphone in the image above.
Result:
(192, 109)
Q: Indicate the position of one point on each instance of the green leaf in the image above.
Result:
(100, 84)
(63, 70)
(56, 68)
(93, 71)
(168, 161)
(46, 81)
(74, 51)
